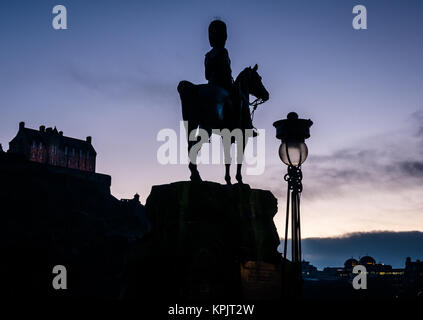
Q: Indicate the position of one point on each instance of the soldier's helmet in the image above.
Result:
(217, 34)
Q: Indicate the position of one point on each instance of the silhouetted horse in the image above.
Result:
(210, 108)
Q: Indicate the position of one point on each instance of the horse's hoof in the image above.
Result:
(195, 176)
(228, 181)
(239, 179)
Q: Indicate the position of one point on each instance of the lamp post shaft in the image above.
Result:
(294, 177)
(296, 226)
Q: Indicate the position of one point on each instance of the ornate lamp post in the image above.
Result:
(293, 152)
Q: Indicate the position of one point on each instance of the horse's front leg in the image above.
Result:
(238, 173)
(240, 158)
(228, 173)
(227, 155)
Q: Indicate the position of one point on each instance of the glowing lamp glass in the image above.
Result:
(293, 153)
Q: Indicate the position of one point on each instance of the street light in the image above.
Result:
(293, 152)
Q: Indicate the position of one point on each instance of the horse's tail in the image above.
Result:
(187, 93)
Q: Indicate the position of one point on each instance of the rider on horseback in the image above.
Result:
(222, 104)
(219, 73)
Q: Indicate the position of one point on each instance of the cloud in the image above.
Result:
(384, 246)
(417, 119)
(389, 162)
(125, 84)
(412, 168)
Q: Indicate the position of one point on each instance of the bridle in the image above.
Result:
(254, 104)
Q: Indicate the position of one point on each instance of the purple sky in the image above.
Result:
(113, 75)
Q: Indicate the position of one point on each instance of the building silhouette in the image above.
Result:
(374, 270)
(349, 264)
(413, 278)
(50, 146)
(57, 210)
(383, 281)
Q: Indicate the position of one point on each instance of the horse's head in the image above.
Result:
(251, 82)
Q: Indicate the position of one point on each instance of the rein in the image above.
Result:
(253, 104)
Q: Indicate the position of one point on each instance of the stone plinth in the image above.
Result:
(203, 235)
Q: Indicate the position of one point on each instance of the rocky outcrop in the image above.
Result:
(57, 216)
(203, 234)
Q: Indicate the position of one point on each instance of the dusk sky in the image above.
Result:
(113, 75)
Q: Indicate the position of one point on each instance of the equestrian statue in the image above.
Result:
(222, 105)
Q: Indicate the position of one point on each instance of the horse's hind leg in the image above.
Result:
(195, 175)
(238, 176)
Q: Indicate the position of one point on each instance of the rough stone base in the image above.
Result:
(208, 241)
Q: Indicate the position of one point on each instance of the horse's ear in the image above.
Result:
(255, 67)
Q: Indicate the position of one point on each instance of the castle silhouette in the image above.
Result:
(50, 146)
(57, 210)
